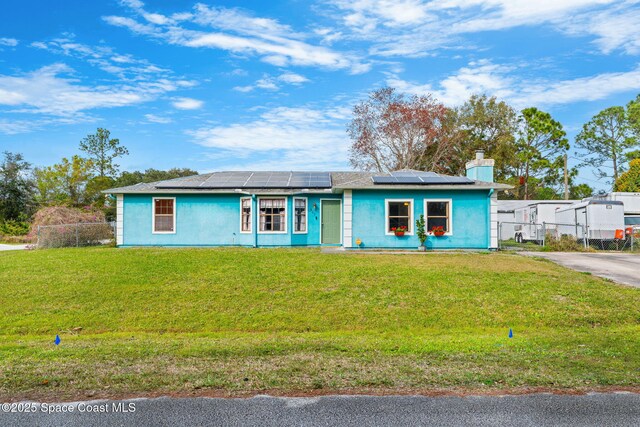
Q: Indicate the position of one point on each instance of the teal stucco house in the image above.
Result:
(349, 209)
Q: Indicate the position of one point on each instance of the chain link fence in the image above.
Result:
(565, 237)
(75, 235)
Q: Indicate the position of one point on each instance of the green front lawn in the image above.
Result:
(281, 320)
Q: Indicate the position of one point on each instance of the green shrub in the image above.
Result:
(563, 243)
(420, 231)
(14, 228)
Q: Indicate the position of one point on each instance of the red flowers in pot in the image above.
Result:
(438, 231)
(399, 231)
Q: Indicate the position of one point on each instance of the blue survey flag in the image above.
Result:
(57, 340)
(510, 333)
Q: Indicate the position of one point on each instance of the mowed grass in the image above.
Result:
(235, 321)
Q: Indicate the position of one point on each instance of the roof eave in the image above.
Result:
(496, 186)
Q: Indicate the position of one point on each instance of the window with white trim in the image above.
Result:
(438, 214)
(245, 215)
(300, 215)
(164, 215)
(273, 215)
(399, 214)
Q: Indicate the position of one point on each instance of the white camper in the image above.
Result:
(507, 217)
(631, 205)
(600, 219)
(529, 219)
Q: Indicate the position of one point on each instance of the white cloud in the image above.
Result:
(580, 89)
(134, 4)
(156, 18)
(509, 83)
(329, 35)
(187, 103)
(418, 27)
(244, 89)
(152, 118)
(292, 78)
(240, 22)
(367, 14)
(477, 77)
(238, 72)
(49, 90)
(7, 41)
(39, 45)
(240, 33)
(500, 14)
(15, 127)
(614, 29)
(268, 82)
(124, 66)
(131, 24)
(287, 138)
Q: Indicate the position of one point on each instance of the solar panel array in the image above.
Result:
(253, 180)
(411, 173)
(420, 178)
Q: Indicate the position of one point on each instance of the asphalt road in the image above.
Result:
(615, 409)
(620, 267)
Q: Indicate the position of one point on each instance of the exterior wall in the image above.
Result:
(470, 219)
(213, 220)
(494, 220)
(347, 219)
(119, 219)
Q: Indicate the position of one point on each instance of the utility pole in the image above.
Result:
(566, 178)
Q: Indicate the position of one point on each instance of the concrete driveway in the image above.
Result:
(4, 247)
(529, 410)
(620, 267)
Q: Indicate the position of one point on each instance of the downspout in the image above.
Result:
(489, 228)
(254, 220)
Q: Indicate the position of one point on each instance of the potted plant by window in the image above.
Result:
(399, 231)
(438, 231)
(422, 234)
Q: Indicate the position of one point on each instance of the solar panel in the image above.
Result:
(409, 177)
(403, 173)
(253, 180)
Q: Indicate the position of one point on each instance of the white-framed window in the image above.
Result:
(164, 215)
(300, 215)
(398, 213)
(437, 213)
(272, 214)
(246, 219)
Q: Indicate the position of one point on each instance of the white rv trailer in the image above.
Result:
(601, 219)
(631, 205)
(530, 218)
(507, 217)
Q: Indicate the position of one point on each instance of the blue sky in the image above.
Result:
(270, 85)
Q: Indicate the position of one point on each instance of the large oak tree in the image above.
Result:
(484, 123)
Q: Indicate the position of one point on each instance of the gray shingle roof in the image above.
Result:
(220, 182)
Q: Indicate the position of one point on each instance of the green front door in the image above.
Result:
(330, 215)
